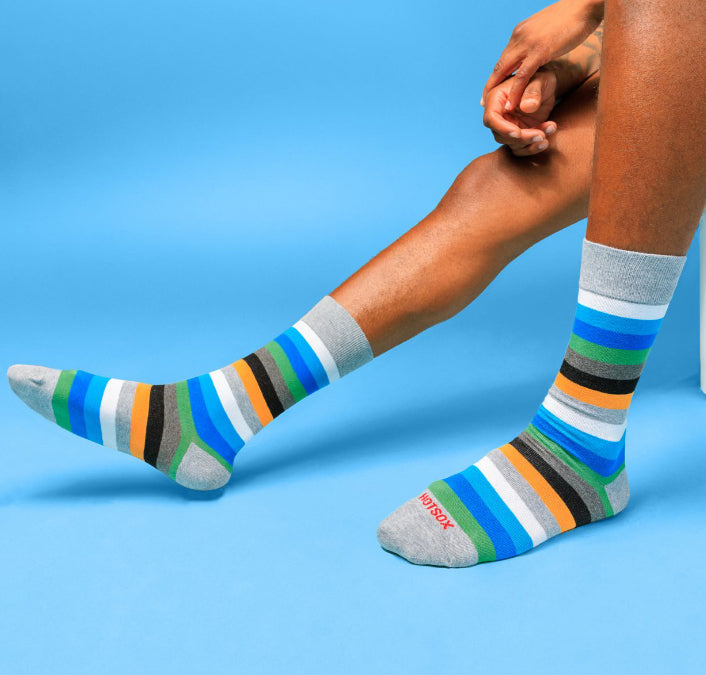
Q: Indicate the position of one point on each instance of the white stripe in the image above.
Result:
(513, 501)
(320, 349)
(230, 405)
(589, 425)
(623, 308)
(108, 410)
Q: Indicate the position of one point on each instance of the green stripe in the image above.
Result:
(586, 473)
(623, 357)
(188, 432)
(288, 375)
(60, 398)
(215, 455)
(450, 501)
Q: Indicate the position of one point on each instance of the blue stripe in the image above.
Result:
(77, 396)
(607, 338)
(599, 446)
(92, 408)
(204, 426)
(309, 355)
(218, 414)
(521, 540)
(504, 547)
(300, 368)
(617, 324)
(604, 457)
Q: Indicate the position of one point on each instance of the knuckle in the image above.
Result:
(523, 73)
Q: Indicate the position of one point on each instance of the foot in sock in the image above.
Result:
(567, 468)
(192, 430)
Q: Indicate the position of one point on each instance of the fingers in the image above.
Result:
(548, 127)
(503, 69)
(525, 72)
(501, 126)
(537, 142)
(531, 149)
(530, 141)
(511, 131)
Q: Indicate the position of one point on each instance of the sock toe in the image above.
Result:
(35, 386)
(413, 533)
(201, 471)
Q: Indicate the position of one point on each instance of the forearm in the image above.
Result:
(497, 208)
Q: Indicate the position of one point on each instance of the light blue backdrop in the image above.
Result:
(181, 181)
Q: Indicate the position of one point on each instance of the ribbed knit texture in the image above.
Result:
(567, 468)
(193, 429)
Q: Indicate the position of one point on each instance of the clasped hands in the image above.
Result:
(534, 71)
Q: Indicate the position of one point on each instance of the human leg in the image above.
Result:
(191, 430)
(567, 468)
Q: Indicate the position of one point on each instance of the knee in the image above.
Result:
(475, 176)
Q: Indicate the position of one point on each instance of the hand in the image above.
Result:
(544, 36)
(524, 130)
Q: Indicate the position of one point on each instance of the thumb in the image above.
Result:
(532, 96)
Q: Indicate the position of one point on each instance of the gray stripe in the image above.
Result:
(586, 491)
(600, 369)
(35, 385)
(594, 411)
(646, 278)
(340, 333)
(618, 492)
(533, 501)
(123, 412)
(171, 432)
(273, 372)
(241, 398)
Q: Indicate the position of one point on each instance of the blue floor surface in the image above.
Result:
(178, 185)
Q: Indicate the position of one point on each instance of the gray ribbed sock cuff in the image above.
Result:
(647, 278)
(342, 336)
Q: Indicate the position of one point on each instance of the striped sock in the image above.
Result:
(192, 430)
(567, 468)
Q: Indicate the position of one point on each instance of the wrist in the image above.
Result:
(595, 8)
(568, 74)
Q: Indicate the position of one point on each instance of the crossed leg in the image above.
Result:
(191, 430)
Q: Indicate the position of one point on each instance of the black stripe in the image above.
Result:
(265, 384)
(155, 424)
(566, 492)
(602, 384)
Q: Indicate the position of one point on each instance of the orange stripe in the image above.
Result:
(611, 401)
(138, 421)
(539, 484)
(253, 391)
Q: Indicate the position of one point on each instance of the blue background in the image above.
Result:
(179, 182)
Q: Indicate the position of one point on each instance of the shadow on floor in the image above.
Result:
(390, 430)
(99, 486)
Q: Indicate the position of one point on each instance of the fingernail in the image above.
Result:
(481, 101)
(543, 145)
(507, 105)
(550, 130)
(514, 134)
(537, 139)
